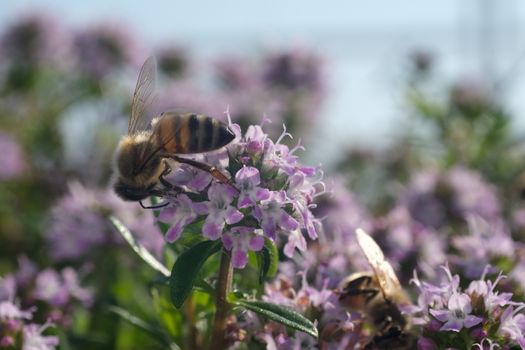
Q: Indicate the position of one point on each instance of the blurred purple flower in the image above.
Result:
(235, 74)
(173, 61)
(435, 199)
(513, 325)
(103, 49)
(293, 69)
(12, 160)
(34, 340)
(34, 39)
(78, 223)
(485, 242)
(59, 289)
(9, 311)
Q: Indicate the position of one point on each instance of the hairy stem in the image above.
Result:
(221, 304)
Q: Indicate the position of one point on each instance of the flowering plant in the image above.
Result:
(264, 207)
(462, 318)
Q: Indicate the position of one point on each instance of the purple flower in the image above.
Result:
(79, 226)
(49, 288)
(103, 49)
(295, 240)
(36, 38)
(513, 324)
(239, 240)
(191, 177)
(219, 210)
(9, 311)
(34, 340)
(293, 69)
(12, 162)
(486, 290)
(59, 290)
(173, 61)
(271, 215)
(264, 197)
(486, 241)
(435, 199)
(458, 314)
(179, 214)
(248, 180)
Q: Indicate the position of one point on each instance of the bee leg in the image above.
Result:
(213, 171)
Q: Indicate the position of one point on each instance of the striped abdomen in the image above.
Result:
(191, 133)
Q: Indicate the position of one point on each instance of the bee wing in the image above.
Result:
(143, 96)
(386, 277)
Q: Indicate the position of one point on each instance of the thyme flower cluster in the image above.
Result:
(270, 195)
(452, 317)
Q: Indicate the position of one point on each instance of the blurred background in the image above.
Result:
(364, 47)
(413, 105)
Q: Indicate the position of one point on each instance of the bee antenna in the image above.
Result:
(157, 206)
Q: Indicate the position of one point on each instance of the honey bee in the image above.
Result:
(147, 153)
(378, 295)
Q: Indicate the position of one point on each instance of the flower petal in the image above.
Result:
(211, 229)
(256, 243)
(471, 321)
(441, 315)
(233, 216)
(287, 222)
(453, 325)
(239, 259)
(174, 232)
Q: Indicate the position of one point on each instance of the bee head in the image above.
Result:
(132, 193)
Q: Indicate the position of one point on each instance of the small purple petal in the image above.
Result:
(245, 201)
(227, 241)
(452, 325)
(269, 228)
(174, 233)
(233, 216)
(167, 214)
(287, 222)
(256, 243)
(471, 321)
(211, 230)
(441, 315)
(308, 170)
(262, 194)
(248, 175)
(295, 240)
(201, 208)
(239, 259)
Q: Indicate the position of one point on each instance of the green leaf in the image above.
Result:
(268, 259)
(139, 248)
(186, 269)
(141, 324)
(280, 314)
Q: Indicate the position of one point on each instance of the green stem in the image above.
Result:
(222, 289)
